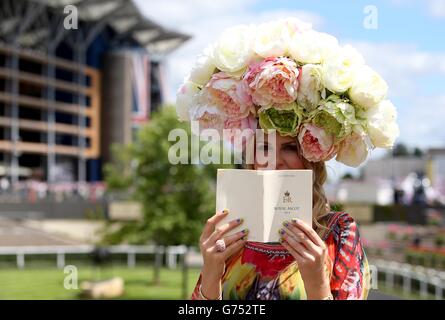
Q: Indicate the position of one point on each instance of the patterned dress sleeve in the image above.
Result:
(195, 293)
(350, 277)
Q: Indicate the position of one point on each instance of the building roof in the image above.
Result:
(432, 152)
(123, 16)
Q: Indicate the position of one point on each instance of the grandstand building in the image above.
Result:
(67, 94)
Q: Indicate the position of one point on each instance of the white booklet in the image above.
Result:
(264, 199)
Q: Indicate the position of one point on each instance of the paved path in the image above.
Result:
(18, 233)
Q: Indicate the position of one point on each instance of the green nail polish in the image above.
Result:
(285, 223)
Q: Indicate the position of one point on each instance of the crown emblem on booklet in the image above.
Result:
(287, 198)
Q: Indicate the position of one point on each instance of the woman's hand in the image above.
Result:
(215, 261)
(310, 253)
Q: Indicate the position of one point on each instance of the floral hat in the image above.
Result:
(284, 75)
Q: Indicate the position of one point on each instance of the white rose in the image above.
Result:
(185, 99)
(382, 126)
(310, 86)
(311, 46)
(353, 150)
(271, 39)
(368, 88)
(203, 69)
(233, 49)
(338, 68)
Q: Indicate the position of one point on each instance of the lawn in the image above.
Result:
(48, 282)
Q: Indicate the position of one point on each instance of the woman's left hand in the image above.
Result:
(310, 253)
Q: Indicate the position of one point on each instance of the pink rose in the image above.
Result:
(229, 94)
(316, 144)
(273, 81)
(239, 128)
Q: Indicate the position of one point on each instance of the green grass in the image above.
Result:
(48, 283)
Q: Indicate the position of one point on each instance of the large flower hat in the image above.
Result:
(284, 75)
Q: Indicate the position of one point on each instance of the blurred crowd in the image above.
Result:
(34, 190)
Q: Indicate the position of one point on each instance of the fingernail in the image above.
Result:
(281, 240)
(285, 223)
(245, 231)
(295, 220)
(244, 238)
(225, 211)
(281, 231)
(239, 220)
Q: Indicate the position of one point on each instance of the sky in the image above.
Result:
(407, 48)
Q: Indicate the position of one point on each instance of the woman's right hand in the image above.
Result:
(215, 261)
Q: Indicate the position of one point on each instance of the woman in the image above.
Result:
(323, 101)
(327, 262)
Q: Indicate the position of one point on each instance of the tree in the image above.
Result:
(348, 176)
(176, 199)
(118, 174)
(400, 150)
(418, 152)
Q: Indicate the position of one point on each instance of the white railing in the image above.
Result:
(171, 252)
(425, 276)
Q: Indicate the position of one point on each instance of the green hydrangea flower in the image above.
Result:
(336, 116)
(286, 120)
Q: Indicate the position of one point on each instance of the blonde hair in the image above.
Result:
(320, 205)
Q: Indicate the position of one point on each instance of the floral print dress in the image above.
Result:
(266, 271)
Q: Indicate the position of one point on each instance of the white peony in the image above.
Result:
(368, 87)
(233, 49)
(353, 150)
(271, 39)
(203, 69)
(294, 25)
(310, 87)
(338, 68)
(185, 99)
(311, 46)
(382, 126)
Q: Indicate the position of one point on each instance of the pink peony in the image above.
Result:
(229, 94)
(236, 129)
(273, 81)
(208, 117)
(316, 144)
